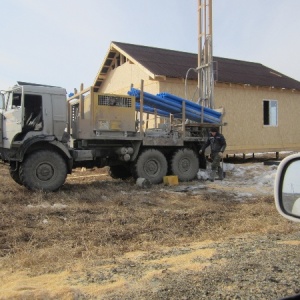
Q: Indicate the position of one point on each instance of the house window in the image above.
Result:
(270, 108)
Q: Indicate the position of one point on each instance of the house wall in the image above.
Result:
(180, 89)
(243, 106)
(120, 79)
(245, 130)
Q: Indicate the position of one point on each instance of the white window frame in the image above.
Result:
(270, 118)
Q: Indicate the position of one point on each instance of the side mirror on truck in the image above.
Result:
(287, 188)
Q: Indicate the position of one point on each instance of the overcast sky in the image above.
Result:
(64, 42)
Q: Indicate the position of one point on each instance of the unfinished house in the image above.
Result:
(260, 106)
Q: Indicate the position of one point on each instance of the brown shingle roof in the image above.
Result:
(170, 63)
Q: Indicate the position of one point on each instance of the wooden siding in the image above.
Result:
(119, 80)
(245, 130)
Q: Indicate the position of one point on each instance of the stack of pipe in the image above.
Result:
(170, 104)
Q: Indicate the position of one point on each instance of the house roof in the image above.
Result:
(159, 62)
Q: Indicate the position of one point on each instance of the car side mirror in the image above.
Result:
(287, 187)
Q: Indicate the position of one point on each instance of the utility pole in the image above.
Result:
(205, 54)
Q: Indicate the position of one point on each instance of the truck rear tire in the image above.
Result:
(185, 164)
(151, 165)
(43, 170)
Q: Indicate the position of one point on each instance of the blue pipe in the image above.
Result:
(189, 103)
(169, 103)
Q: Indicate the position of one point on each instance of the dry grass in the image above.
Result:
(90, 219)
(95, 220)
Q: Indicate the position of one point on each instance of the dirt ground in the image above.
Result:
(100, 238)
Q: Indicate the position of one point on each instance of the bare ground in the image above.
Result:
(99, 238)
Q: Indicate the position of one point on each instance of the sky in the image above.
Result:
(64, 42)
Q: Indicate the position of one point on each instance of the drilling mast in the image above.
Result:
(205, 54)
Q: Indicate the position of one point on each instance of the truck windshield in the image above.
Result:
(5, 98)
(2, 100)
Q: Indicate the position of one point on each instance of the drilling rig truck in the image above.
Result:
(44, 135)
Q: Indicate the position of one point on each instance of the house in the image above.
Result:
(261, 106)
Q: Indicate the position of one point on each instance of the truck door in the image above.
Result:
(1, 118)
(12, 116)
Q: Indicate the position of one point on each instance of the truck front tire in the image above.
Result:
(43, 170)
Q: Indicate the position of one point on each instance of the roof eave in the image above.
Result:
(110, 57)
(257, 85)
(132, 59)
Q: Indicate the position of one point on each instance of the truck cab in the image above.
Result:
(28, 111)
(33, 141)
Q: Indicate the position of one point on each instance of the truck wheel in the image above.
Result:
(119, 172)
(14, 174)
(43, 170)
(185, 164)
(151, 165)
